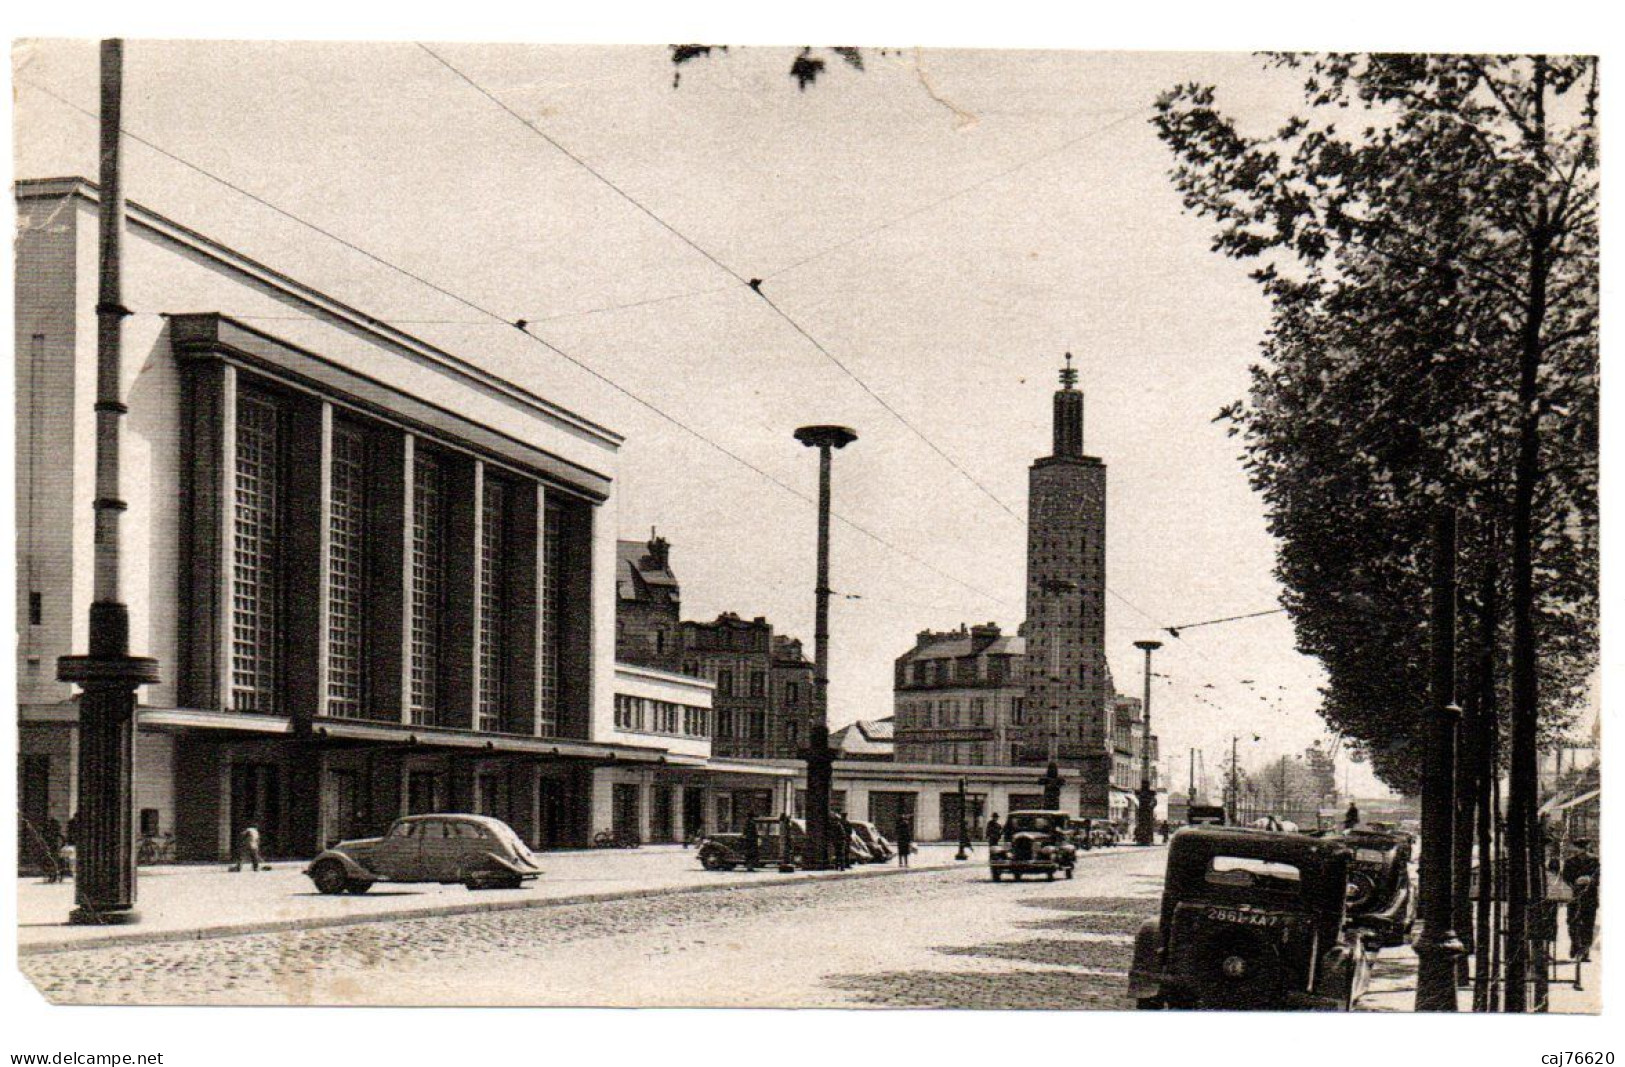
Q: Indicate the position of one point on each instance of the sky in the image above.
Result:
(944, 225)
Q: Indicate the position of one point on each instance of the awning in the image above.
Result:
(1557, 804)
(540, 746)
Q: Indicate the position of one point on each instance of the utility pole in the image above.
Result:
(1438, 947)
(1145, 822)
(1190, 789)
(820, 761)
(104, 882)
(1230, 816)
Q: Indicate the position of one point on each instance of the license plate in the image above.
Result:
(1243, 918)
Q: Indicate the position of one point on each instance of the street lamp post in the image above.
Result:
(1145, 822)
(820, 761)
(1438, 947)
(104, 879)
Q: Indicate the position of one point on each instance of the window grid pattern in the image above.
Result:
(256, 601)
(428, 587)
(547, 619)
(493, 522)
(345, 558)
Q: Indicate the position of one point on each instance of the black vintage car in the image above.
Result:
(1251, 920)
(1034, 842)
(725, 851)
(1381, 896)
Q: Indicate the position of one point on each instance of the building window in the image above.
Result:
(493, 605)
(428, 586)
(758, 683)
(346, 559)
(547, 621)
(256, 596)
(792, 692)
(725, 683)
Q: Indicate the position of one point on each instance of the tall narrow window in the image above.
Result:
(547, 620)
(346, 561)
(256, 595)
(493, 605)
(428, 586)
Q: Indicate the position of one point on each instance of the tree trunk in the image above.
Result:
(1524, 773)
(1485, 929)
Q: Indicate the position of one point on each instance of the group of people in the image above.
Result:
(1582, 872)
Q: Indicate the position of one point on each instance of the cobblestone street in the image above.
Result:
(934, 938)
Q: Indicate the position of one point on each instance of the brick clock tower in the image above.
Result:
(1069, 685)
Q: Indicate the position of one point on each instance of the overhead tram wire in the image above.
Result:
(754, 284)
(523, 327)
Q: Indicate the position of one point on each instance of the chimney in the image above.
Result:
(659, 555)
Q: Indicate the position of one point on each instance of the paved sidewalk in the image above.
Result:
(189, 902)
(1393, 984)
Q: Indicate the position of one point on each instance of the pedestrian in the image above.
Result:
(1162, 828)
(1583, 873)
(51, 832)
(753, 845)
(248, 848)
(843, 840)
(1351, 818)
(905, 840)
(995, 830)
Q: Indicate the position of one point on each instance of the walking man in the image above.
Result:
(905, 840)
(995, 830)
(753, 844)
(1351, 818)
(54, 841)
(1583, 872)
(843, 840)
(248, 848)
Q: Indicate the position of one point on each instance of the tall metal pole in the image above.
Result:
(1235, 801)
(820, 761)
(1438, 947)
(104, 881)
(964, 829)
(1145, 819)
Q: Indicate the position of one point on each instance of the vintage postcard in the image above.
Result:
(806, 527)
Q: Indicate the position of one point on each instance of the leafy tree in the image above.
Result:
(806, 68)
(1426, 230)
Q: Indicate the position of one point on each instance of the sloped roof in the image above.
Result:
(866, 737)
(632, 563)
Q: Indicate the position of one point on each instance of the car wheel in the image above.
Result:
(1016, 875)
(329, 877)
(357, 886)
(997, 875)
(1049, 876)
(1069, 874)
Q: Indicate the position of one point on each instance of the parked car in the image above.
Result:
(725, 851)
(1035, 842)
(1381, 896)
(1205, 815)
(1252, 919)
(476, 850)
(880, 849)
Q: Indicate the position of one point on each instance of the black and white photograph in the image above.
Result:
(631, 524)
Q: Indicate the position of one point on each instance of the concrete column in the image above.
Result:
(408, 459)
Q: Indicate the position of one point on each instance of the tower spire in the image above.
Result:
(1069, 413)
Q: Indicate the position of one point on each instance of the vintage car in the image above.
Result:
(880, 850)
(478, 851)
(1381, 896)
(1034, 842)
(725, 851)
(1205, 815)
(1252, 919)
